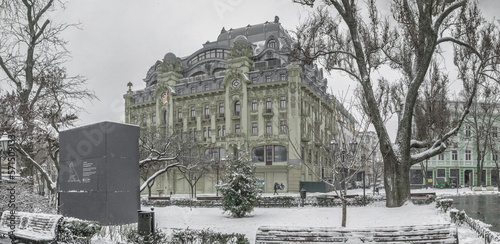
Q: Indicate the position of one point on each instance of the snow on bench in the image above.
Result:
(443, 233)
(35, 227)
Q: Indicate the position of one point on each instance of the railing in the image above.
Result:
(460, 217)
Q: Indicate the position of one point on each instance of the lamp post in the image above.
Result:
(4, 145)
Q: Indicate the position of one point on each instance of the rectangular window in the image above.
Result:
(221, 109)
(269, 104)
(254, 104)
(441, 173)
(254, 80)
(223, 130)
(283, 126)
(193, 89)
(193, 113)
(441, 156)
(283, 102)
(237, 128)
(254, 128)
(207, 111)
(283, 77)
(179, 114)
(467, 131)
(206, 88)
(494, 132)
(269, 128)
(468, 155)
(454, 155)
(268, 78)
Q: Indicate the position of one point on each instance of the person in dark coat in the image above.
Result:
(276, 188)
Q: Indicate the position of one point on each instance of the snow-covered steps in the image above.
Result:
(442, 233)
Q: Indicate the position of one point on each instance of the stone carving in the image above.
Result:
(171, 63)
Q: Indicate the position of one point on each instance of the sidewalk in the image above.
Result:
(5, 240)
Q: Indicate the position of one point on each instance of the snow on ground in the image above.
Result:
(374, 215)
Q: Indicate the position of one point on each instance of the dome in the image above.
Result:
(169, 57)
(241, 39)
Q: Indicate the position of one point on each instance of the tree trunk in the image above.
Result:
(344, 211)
(396, 182)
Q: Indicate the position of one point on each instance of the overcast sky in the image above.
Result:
(120, 40)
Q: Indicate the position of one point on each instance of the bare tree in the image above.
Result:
(40, 97)
(407, 44)
(482, 124)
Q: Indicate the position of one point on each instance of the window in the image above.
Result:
(283, 77)
(454, 155)
(271, 44)
(215, 154)
(193, 113)
(268, 78)
(237, 108)
(206, 88)
(441, 156)
(179, 114)
(494, 132)
(441, 173)
(193, 89)
(283, 126)
(221, 110)
(221, 131)
(467, 130)
(254, 128)
(254, 104)
(269, 104)
(269, 154)
(144, 119)
(468, 155)
(254, 80)
(237, 128)
(207, 111)
(269, 128)
(283, 102)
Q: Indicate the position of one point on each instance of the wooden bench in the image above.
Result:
(33, 227)
(346, 196)
(443, 233)
(422, 194)
(421, 197)
(211, 198)
(159, 198)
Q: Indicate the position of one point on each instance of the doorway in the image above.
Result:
(468, 177)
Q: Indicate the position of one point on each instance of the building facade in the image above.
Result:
(243, 92)
(477, 142)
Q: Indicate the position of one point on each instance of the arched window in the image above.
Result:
(272, 44)
(237, 108)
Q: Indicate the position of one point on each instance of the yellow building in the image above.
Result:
(242, 92)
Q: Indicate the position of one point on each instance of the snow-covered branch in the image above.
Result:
(158, 173)
(51, 184)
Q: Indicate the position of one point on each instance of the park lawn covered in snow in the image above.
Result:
(375, 215)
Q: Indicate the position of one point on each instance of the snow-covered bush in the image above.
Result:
(158, 236)
(457, 216)
(206, 236)
(240, 189)
(73, 230)
(444, 204)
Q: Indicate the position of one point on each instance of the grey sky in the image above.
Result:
(121, 39)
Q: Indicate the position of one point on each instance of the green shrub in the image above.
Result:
(158, 237)
(206, 236)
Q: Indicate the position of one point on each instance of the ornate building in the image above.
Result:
(242, 92)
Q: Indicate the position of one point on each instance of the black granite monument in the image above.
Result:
(99, 173)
